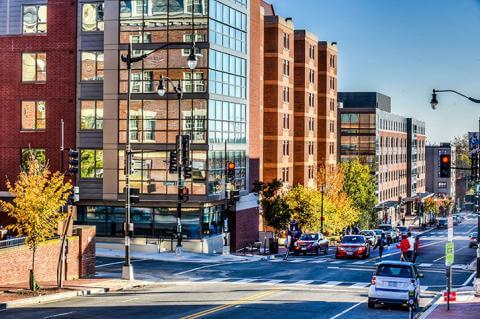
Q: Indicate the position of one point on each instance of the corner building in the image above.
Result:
(37, 83)
(214, 112)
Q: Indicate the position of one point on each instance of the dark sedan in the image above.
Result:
(355, 246)
(311, 243)
(472, 240)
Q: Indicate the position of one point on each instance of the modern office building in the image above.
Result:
(434, 183)
(327, 105)
(37, 83)
(392, 145)
(305, 108)
(214, 111)
(278, 98)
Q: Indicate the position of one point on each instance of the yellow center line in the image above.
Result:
(230, 304)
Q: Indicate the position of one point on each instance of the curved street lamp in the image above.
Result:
(434, 103)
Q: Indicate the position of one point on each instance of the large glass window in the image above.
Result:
(227, 74)
(33, 115)
(92, 17)
(34, 67)
(92, 66)
(34, 18)
(28, 153)
(91, 115)
(227, 122)
(228, 27)
(91, 163)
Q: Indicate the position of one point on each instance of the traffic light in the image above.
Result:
(173, 162)
(73, 161)
(475, 167)
(132, 165)
(134, 195)
(230, 171)
(183, 193)
(187, 172)
(445, 166)
(185, 150)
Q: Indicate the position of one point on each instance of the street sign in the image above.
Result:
(449, 249)
(453, 296)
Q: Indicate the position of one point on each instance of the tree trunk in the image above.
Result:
(33, 283)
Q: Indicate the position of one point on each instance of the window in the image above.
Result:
(311, 124)
(311, 76)
(91, 115)
(92, 66)
(92, 17)
(286, 41)
(311, 52)
(311, 99)
(193, 82)
(332, 147)
(91, 164)
(28, 153)
(332, 83)
(34, 67)
(286, 67)
(35, 19)
(332, 61)
(187, 38)
(442, 185)
(33, 115)
(286, 94)
(285, 174)
(332, 126)
(286, 121)
(332, 104)
(310, 172)
(286, 148)
(310, 148)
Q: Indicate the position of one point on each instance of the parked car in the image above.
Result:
(311, 243)
(370, 235)
(442, 223)
(395, 282)
(390, 233)
(355, 246)
(472, 240)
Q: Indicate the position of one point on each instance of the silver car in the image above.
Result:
(395, 282)
(370, 236)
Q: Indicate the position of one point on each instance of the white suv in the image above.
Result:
(395, 282)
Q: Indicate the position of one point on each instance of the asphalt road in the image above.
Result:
(301, 287)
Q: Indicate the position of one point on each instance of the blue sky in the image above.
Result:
(404, 49)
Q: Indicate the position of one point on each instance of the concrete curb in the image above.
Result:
(428, 308)
(67, 295)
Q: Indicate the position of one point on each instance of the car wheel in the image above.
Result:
(371, 304)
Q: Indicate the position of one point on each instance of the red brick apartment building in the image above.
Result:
(37, 81)
(278, 98)
(306, 108)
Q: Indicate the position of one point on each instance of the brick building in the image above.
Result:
(278, 131)
(37, 82)
(327, 105)
(305, 108)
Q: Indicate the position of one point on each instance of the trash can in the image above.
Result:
(273, 246)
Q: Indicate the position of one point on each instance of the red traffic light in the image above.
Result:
(231, 165)
(445, 159)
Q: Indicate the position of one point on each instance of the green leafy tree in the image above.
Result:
(359, 185)
(276, 212)
(38, 197)
(305, 204)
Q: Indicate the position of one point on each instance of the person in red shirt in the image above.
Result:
(404, 246)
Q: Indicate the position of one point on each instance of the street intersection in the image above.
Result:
(300, 287)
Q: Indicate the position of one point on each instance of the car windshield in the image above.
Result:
(367, 233)
(353, 240)
(401, 228)
(394, 271)
(442, 221)
(378, 231)
(309, 237)
(385, 227)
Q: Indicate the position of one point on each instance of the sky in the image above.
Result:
(404, 49)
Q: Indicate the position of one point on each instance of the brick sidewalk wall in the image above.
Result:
(15, 262)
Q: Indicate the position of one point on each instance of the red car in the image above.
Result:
(355, 246)
(311, 243)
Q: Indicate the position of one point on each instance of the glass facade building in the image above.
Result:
(213, 111)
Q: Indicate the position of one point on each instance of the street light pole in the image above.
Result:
(322, 189)
(434, 103)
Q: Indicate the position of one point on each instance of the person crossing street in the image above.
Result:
(381, 242)
(404, 247)
(411, 249)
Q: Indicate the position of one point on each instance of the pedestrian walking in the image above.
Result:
(404, 246)
(380, 244)
(288, 241)
(417, 246)
(411, 249)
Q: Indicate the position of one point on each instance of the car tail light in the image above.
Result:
(361, 249)
(341, 248)
(374, 280)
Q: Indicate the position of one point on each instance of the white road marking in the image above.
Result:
(319, 261)
(218, 279)
(198, 268)
(296, 260)
(425, 265)
(444, 255)
(243, 281)
(359, 269)
(117, 262)
(360, 285)
(273, 282)
(469, 279)
(360, 262)
(304, 282)
(58, 315)
(423, 288)
(331, 284)
(338, 261)
(131, 299)
(348, 309)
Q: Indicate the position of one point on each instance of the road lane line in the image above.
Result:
(330, 284)
(360, 285)
(469, 278)
(198, 268)
(58, 315)
(304, 282)
(273, 282)
(348, 309)
(425, 265)
(347, 268)
(231, 304)
(116, 263)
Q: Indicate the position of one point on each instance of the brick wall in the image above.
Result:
(244, 228)
(16, 262)
(58, 91)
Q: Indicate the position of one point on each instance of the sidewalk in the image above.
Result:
(467, 306)
(18, 295)
(185, 257)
